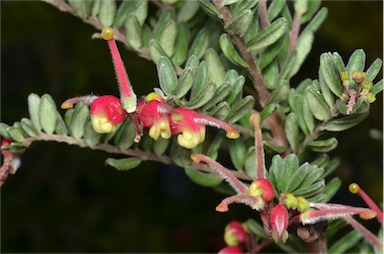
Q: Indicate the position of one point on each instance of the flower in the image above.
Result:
(234, 234)
(153, 113)
(106, 111)
(231, 250)
(127, 95)
(261, 188)
(279, 223)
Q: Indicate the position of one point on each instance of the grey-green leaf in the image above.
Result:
(28, 127)
(133, 32)
(167, 75)
(317, 104)
(79, 118)
(200, 44)
(216, 71)
(33, 108)
(230, 51)
(203, 97)
(344, 123)
(185, 83)
(323, 146)
(47, 114)
(346, 242)
(202, 178)
(123, 164)
(291, 164)
(240, 23)
(241, 108)
(331, 188)
(107, 12)
(328, 75)
(291, 129)
(269, 35)
(181, 43)
(91, 137)
(237, 153)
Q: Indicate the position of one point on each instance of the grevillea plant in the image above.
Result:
(225, 65)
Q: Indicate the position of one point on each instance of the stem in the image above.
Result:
(294, 34)
(256, 76)
(260, 161)
(130, 152)
(6, 168)
(368, 235)
(263, 13)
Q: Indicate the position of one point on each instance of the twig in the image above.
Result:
(294, 33)
(130, 152)
(263, 13)
(256, 77)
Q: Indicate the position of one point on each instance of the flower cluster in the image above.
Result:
(152, 112)
(278, 214)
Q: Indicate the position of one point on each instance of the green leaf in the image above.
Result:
(239, 23)
(156, 50)
(167, 75)
(185, 83)
(33, 108)
(220, 94)
(274, 148)
(216, 71)
(331, 166)
(269, 35)
(167, 37)
(237, 153)
(256, 228)
(323, 146)
(160, 146)
(331, 188)
(215, 145)
(16, 133)
(298, 177)
(298, 100)
(291, 164)
(125, 135)
(303, 47)
(300, 7)
(326, 92)
(3, 130)
(200, 44)
(133, 32)
(279, 93)
(271, 74)
(275, 171)
(311, 190)
(79, 118)
(241, 108)
(187, 11)
(95, 7)
(209, 7)
(221, 111)
(123, 164)
(230, 51)
(377, 88)
(346, 242)
(317, 104)
(180, 156)
(200, 79)
(291, 129)
(181, 43)
(267, 111)
(272, 51)
(288, 66)
(356, 61)
(243, 5)
(28, 127)
(82, 8)
(308, 117)
(91, 137)
(107, 12)
(204, 179)
(275, 8)
(374, 69)
(328, 76)
(48, 114)
(237, 90)
(344, 123)
(203, 97)
(317, 20)
(312, 7)
(321, 161)
(250, 164)
(61, 127)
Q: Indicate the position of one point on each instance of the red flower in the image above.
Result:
(231, 250)
(234, 234)
(261, 188)
(279, 223)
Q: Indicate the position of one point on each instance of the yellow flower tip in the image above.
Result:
(107, 33)
(188, 139)
(354, 188)
(66, 105)
(196, 157)
(232, 134)
(290, 201)
(177, 117)
(152, 96)
(102, 125)
(302, 204)
(255, 119)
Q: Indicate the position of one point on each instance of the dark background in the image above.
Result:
(63, 199)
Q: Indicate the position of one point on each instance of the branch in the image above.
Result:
(263, 13)
(294, 33)
(148, 156)
(275, 122)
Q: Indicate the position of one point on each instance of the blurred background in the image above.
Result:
(64, 199)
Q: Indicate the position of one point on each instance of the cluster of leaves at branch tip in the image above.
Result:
(200, 85)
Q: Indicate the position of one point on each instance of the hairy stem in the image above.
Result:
(263, 13)
(294, 34)
(130, 152)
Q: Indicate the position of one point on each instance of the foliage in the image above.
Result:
(222, 64)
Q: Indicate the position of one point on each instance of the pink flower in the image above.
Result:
(106, 111)
(231, 250)
(153, 113)
(279, 223)
(261, 188)
(234, 234)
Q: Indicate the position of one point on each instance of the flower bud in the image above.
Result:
(302, 204)
(234, 234)
(358, 76)
(261, 188)
(279, 223)
(106, 113)
(290, 201)
(231, 250)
